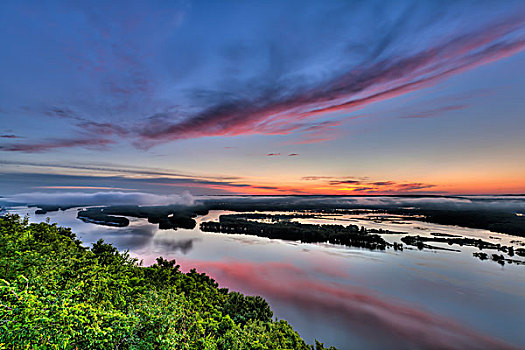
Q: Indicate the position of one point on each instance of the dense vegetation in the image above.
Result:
(493, 220)
(97, 216)
(420, 243)
(167, 216)
(57, 294)
(350, 235)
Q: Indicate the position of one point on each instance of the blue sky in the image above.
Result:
(263, 97)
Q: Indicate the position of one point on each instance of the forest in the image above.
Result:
(476, 215)
(351, 235)
(56, 293)
(167, 217)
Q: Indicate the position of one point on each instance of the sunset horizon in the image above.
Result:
(402, 104)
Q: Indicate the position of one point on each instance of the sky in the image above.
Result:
(263, 97)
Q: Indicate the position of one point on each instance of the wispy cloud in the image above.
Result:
(62, 112)
(364, 185)
(103, 128)
(287, 110)
(429, 113)
(315, 178)
(83, 188)
(141, 180)
(100, 198)
(115, 169)
(345, 182)
(413, 186)
(47, 145)
(313, 107)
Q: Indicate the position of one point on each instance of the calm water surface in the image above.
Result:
(348, 297)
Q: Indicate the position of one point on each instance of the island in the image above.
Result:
(276, 218)
(351, 235)
(420, 243)
(167, 217)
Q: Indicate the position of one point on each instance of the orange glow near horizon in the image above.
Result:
(451, 181)
(302, 188)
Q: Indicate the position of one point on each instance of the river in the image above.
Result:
(347, 297)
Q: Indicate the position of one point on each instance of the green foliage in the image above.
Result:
(57, 294)
(349, 235)
(167, 216)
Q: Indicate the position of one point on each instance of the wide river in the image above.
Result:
(348, 297)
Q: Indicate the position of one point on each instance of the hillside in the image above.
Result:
(57, 294)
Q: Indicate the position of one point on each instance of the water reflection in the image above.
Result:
(357, 310)
(348, 297)
(183, 245)
(134, 237)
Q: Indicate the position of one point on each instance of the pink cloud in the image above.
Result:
(295, 111)
(428, 113)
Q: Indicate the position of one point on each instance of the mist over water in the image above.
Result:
(348, 297)
(77, 198)
(99, 198)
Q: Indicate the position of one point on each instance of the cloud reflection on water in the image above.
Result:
(362, 310)
(182, 245)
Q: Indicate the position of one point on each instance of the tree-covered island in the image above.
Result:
(350, 235)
